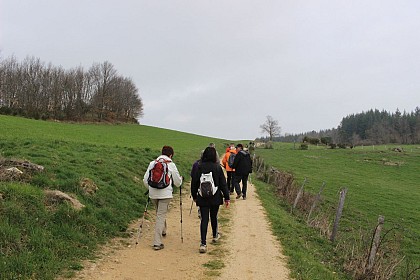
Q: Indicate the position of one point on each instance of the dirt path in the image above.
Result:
(247, 248)
(255, 252)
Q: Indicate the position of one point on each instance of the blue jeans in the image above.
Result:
(205, 213)
(237, 180)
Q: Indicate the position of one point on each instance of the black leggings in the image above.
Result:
(205, 213)
(229, 180)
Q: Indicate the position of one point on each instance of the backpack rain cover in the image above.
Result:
(207, 188)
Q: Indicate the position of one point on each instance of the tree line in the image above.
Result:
(37, 90)
(381, 127)
(372, 127)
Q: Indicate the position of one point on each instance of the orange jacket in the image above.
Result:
(226, 158)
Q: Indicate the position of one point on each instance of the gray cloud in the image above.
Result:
(218, 68)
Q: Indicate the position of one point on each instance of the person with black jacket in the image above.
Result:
(209, 206)
(243, 166)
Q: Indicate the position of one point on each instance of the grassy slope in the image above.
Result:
(376, 184)
(39, 242)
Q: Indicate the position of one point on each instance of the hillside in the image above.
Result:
(41, 237)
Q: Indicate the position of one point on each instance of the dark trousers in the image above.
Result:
(237, 179)
(229, 180)
(205, 213)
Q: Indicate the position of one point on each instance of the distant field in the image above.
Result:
(379, 181)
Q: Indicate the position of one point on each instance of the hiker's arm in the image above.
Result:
(224, 160)
(146, 176)
(195, 182)
(176, 177)
(251, 165)
(223, 186)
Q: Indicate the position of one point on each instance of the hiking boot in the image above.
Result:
(203, 248)
(238, 196)
(158, 247)
(216, 238)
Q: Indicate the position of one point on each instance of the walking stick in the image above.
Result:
(180, 207)
(192, 202)
(142, 220)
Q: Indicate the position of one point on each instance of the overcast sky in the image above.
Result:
(218, 68)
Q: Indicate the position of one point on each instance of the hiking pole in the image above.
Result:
(180, 207)
(142, 220)
(192, 202)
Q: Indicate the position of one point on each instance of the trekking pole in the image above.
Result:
(180, 207)
(142, 220)
(192, 202)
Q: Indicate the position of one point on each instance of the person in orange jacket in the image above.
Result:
(229, 170)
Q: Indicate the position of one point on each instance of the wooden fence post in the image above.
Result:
(298, 195)
(343, 193)
(260, 164)
(317, 198)
(375, 242)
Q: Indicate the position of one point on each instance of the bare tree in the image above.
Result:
(103, 76)
(271, 127)
(37, 90)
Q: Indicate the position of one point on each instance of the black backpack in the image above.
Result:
(248, 161)
(231, 159)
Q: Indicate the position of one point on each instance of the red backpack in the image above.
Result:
(159, 174)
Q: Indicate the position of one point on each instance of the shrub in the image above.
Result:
(303, 146)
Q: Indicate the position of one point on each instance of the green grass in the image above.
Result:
(379, 181)
(39, 241)
(309, 254)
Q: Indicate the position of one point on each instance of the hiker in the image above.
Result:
(194, 169)
(243, 166)
(217, 154)
(162, 196)
(229, 170)
(209, 206)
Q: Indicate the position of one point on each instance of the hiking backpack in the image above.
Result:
(207, 187)
(159, 174)
(231, 159)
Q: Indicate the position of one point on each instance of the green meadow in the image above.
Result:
(380, 181)
(40, 241)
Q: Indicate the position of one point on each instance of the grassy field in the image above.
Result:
(380, 181)
(39, 241)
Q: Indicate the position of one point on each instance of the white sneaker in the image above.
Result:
(215, 239)
(203, 248)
